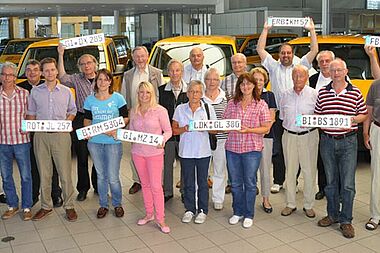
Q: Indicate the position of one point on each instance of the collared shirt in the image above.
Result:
(83, 88)
(182, 88)
(28, 86)
(138, 77)
(373, 99)
(192, 74)
(281, 76)
(349, 102)
(193, 144)
(229, 85)
(322, 81)
(254, 115)
(293, 104)
(51, 105)
(219, 105)
(154, 121)
(12, 112)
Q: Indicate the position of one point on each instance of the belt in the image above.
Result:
(376, 123)
(300, 133)
(340, 136)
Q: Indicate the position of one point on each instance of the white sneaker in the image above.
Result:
(235, 219)
(187, 217)
(218, 206)
(201, 218)
(275, 188)
(247, 223)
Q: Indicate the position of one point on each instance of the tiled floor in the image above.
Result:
(270, 232)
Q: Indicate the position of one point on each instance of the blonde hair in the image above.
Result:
(262, 71)
(153, 98)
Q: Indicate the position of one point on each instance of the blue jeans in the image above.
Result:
(242, 169)
(339, 158)
(21, 152)
(188, 168)
(107, 158)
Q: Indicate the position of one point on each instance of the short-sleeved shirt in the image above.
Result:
(193, 144)
(268, 97)
(229, 85)
(51, 105)
(103, 110)
(293, 104)
(349, 102)
(190, 73)
(373, 99)
(83, 87)
(281, 76)
(256, 113)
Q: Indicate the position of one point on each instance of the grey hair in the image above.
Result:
(300, 67)
(195, 83)
(11, 65)
(140, 48)
(240, 55)
(92, 58)
(172, 61)
(210, 71)
(325, 52)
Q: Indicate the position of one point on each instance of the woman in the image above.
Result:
(243, 147)
(216, 97)
(150, 117)
(261, 77)
(105, 150)
(194, 151)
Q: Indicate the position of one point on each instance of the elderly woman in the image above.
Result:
(194, 151)
(216, 97)
(106, 151)
(261, 77)
(150, 117)
(244, 147)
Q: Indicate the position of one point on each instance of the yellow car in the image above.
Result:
(105, 53)
(247, 45)
(123, 48)
(217, 51)
(15, 48)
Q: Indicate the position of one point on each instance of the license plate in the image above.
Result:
(324, 121)
(100, 128)
(291, 22)
(372, 41)
(83, 41)
(139, 137)
(205, 125)
(46, 126)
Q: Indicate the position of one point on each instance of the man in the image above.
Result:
(239, 66)
(33, 75)
(196, 70)
(14, 143)
(339, 146)
(132, 78)
(83, 83)
(280, 75)
(300, 144)
(317, 81)
(53, 101)
(171, 95)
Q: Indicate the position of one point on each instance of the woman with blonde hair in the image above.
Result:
(150, 117)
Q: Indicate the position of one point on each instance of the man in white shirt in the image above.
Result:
(196, 70)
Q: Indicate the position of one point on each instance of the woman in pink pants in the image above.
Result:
(150, 117)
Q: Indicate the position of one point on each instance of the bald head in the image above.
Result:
(239, 64)
(338, 71)
(196, 58)
(300, 76)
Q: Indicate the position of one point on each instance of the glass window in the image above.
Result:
(17, 47)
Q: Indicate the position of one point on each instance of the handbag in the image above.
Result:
(212, 137)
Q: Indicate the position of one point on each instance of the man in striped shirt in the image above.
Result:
(339, 146)
(14, 142)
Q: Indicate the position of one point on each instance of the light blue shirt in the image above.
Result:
(193, 144)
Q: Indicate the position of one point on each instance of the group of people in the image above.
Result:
(268, 135)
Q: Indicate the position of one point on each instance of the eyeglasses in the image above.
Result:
(7, 75)
(195, 92)
(212, 80)
(337, 70)
(86, 63)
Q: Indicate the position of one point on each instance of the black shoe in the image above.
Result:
(57, 202)
(319, 195)
(228, 189)
(167, 198)
(257, 191)
(3, 198)
(267, 209)
(135, 188)
(82, 196)
(182, 198)
(35, 201)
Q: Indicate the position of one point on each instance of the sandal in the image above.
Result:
(370, 225)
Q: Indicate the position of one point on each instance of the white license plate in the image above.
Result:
(291, 22)
(139, 137)
(205, 125)
(83, 41)
(100, 128)
(324, 121)
(46, 126)
(372, 40)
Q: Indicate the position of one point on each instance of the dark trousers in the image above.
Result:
(81, 150)
(278, 155)
(321, 171)
(56, 191)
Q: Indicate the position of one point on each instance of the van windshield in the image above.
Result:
(354, 55)
(71, 57)
(215, 55)
(16, 47)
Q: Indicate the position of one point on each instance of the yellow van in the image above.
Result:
(247, 45)
(217, 51)
(15, 48)
(105, 53)
(123, 48)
